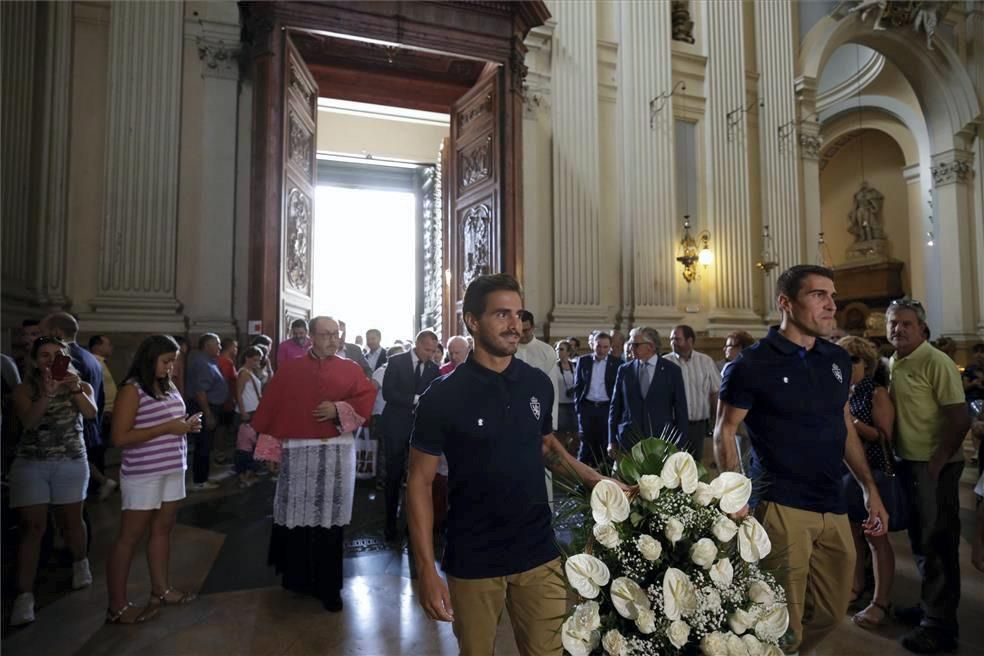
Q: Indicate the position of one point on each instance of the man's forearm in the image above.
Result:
(202, 399)
(563, 464)
(726, 449)
(953, 435)
(856, 461)
(421, 522)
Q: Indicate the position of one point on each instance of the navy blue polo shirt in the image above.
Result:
(490, 426)
(795, 400)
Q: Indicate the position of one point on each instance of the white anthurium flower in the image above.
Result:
(760, 592)
(678, 633)
(679, 596)
(772, 650)
(753, 541)
(608, 503)
(673, 530)
(577, 641)
(628, 598)
(703, 552)
(724, 529)
(703, 495)
(606, 535)
(586, 616)
(736, 647)
(772, 623)
(752, 644)
(714, 644)
(613, 643)
(741, 620)
(649, 547)
(586, 574)
(733, 489)
(646, 621)
(722, 573)
(649, 486)
(680, 471)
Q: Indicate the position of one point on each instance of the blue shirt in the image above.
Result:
(490, 426)
(90, 371)
(795, 400)
(204, 375)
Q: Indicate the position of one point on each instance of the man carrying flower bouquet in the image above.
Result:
(491, 418)
(791, 390)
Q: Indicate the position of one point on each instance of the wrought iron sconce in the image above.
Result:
(734, 116)
(657, 104)
(766, 262)
(694, 251)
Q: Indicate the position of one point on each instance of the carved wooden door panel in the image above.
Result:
(474, 189)
(300, 95)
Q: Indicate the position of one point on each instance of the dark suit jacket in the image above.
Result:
(398, 392)
(380, 361)
(353, 352)
(631, 418)
(582, 377)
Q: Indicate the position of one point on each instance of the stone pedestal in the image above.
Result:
(867, 250)
(876, 282)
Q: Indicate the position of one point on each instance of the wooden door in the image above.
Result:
(475, 189)
(300, 94)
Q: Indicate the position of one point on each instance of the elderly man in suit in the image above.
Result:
(407, 377)
(594, 380)
(649, 395)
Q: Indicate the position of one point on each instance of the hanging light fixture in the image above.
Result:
(767, 260)
(823, 253)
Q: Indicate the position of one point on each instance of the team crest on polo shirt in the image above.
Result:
(535, 406)
(837, 373)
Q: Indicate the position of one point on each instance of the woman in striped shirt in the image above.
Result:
(149, 425)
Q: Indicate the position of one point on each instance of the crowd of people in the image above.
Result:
(845, 444)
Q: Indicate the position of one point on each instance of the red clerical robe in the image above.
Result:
(301, 384)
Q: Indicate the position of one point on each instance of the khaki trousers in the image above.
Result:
(537, 602)
(813, 559)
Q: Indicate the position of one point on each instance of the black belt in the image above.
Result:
(596, 404)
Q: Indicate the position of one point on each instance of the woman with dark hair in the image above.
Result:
(249, 389)
(149, 425)
(50, 466)
(563, 378)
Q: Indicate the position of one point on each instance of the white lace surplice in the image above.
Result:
(316, 484)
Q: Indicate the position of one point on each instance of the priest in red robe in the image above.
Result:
(312, 405)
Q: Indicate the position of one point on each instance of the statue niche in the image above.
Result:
(865, 223)
(680, 24)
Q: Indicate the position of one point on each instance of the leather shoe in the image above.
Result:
(927, 640)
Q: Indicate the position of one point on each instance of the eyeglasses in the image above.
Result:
(730, 345)
(638, 344)
(908, 303)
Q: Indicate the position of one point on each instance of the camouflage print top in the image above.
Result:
(58, 436)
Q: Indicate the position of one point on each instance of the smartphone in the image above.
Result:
(59, 369)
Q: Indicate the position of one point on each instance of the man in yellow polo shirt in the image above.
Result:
(930, 424)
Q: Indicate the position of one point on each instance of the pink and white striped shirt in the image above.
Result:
(163, 454)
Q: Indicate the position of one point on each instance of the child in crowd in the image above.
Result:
(249, 389)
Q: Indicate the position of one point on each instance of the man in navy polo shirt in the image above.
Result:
(491, 418)
(791, 390)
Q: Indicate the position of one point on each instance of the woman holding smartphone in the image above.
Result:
(50, 466)
(149, 426)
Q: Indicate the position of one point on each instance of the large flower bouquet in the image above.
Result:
(667, 568)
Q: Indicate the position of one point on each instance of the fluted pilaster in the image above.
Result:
(728, 205)
(576, 189)
(137, 262)
(975, 35)
(646, 178)
(778, 136)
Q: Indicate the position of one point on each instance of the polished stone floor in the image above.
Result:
(220, 549)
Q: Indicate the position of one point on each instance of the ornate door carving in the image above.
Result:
(300, 95)
(474, 190)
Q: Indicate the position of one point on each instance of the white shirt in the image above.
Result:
(700, 378)
(372, 357)
(596, 390)
(537, 354)
(377, 377)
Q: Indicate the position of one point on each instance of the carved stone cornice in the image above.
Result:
(219, 59)
(951, 172)
(810, 145)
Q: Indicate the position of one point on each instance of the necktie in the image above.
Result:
(645, 377)
(416, 376)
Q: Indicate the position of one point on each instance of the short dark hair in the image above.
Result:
(144, 366)
(253, 352)
(228, 342)
(480, 288)
(790, 281)
(28, 323)
(688, 332)
(426, 333)
(526, 316)
(64, 323)
(261, 339)
(598, 334)
(205, 338)
(96, 340)
(743, 338)
(978, 348)
(374, 331)
(298, 323)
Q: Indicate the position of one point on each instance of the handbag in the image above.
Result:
(893, 492)
(245, 438)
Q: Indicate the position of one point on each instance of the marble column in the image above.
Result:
(975, 35)
(139, 238)
(578, 299)
(646, 178)
(779, 172)
(953, 209)
(728, 206)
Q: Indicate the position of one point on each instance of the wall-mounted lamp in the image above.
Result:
(694, 251)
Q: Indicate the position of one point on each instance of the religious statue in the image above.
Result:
(923, 15)
(865, 218)
(682, 26)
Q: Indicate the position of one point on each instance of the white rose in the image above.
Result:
(613, 643)
(646, 621)
(735, 646)
(703, 494)
(608, 503)
(712, 599)
(649, 547)
(703, 552)
(722, 573)
(628, 598)
(586, 616)
(772, 624)
(576, 641)
(753, 541)
(679, 596)
(673, 530)
(752, 644)
(606, 535)
(741, 620)
(678, 633)
(724, 529)
(680, 471)
(733, 489)
(586, 574)
(649, 486)
(713, 644)
(761, 593)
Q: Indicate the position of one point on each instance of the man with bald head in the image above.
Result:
(458, 350)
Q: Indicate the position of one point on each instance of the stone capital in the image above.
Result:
(219, 58)
(810, 145)
(951, 171)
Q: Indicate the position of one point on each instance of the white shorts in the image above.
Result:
(149, 491)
